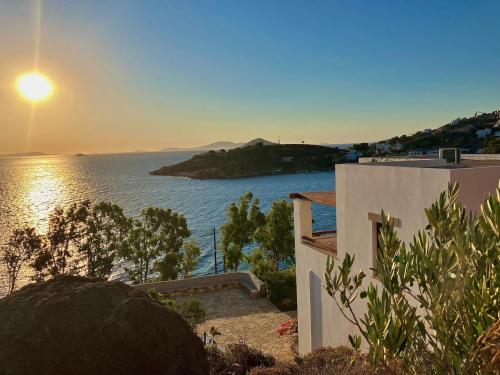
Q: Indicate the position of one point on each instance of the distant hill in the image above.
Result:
(257, 160)
(212, 146)
(343, 146)
(459, 133)
(23, 154)
(257, 141)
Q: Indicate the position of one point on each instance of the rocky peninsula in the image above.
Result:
(256, 160)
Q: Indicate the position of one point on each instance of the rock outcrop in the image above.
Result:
(73, 325)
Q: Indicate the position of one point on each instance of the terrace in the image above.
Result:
(323, 241)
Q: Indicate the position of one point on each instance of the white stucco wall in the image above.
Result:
(476, 184)
(403, 192)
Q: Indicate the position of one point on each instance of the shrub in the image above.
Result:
(281, 288)
(450, 271)
(237, 359)
(191, 310)
(339, 361)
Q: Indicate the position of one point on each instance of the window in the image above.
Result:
(376, 220)
(376, 229)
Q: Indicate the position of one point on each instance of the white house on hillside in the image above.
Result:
(483, 133)
(383, 146)
(402, 188)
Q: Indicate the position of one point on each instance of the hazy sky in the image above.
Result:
(145, 74)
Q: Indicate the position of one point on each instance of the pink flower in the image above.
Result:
(290, 327)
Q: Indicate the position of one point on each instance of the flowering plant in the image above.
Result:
(290, 327)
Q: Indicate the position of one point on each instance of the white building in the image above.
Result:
(353, 155)
(401, 188)
(483, 133)
(414, 153)
(383, 146)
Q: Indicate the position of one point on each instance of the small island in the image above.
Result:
(256, 160)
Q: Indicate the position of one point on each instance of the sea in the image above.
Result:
(31, 187)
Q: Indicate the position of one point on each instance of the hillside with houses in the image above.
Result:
(479, 133)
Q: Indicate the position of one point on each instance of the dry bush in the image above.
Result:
(339, 361)
(237, 359)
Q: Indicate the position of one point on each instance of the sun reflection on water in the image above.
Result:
(44, 190)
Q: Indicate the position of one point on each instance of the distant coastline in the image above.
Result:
(22, 154)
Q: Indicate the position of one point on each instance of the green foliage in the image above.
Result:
(361, 147)
(22, 246)
(243, 219)
(191, 310)
(85, 239)
(156, 240)
(66, 227)
(275, 237)
(261, 265)
(492, 146)
(190, 256)
(102, 238)
(281, 288)
(435, 297)
(181, 263)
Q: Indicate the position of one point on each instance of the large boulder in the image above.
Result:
(73, 325)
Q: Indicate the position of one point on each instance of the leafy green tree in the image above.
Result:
(361, 147)
(190, 256)
(66, 227)
(492, 145)
(238, 232)
(275, 237)
(102, 238)
(261, 264)
(22, 246)
(191, 310)
(181, 263)
(435, 297)
(155, 241)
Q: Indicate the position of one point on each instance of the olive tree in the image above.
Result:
(435, 297)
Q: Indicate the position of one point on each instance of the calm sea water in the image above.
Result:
(31, 187)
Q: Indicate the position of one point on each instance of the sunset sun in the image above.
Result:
(34, 87)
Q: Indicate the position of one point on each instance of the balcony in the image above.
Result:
(324, 241)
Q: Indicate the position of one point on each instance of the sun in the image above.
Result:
(34, 87)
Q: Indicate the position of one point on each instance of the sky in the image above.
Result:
(148, 74)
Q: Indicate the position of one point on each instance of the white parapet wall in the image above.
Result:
(245, 279)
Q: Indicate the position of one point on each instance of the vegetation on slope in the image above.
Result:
(461, 134)
(256, 160)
